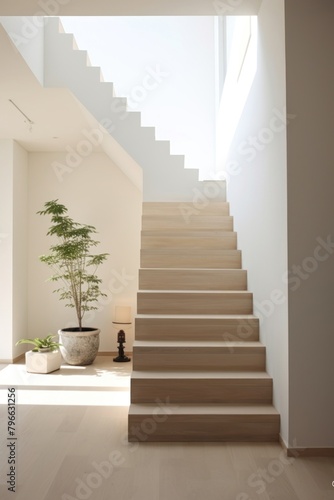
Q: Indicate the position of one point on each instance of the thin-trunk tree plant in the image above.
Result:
(73, 265)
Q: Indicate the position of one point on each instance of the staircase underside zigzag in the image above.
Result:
(131, 146)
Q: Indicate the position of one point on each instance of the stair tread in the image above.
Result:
(237, 375)
(197, 343)
(199, 216)
(196, 269)
(212, 233)
(211, 409)
(187, 233)
(206, 292)
(216, 204)
(199, 316)
(193, 251)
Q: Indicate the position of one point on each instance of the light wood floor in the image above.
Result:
(72, 444)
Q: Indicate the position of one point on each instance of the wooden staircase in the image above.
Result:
(198, 366)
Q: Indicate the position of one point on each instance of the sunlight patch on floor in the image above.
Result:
(102, 383)
(68, 397)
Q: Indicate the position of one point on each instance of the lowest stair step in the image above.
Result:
(197, 327)
(163, 421)
(201, 387)
(210, 356)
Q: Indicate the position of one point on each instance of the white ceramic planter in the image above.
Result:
(43, 362)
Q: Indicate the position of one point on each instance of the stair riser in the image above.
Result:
(201, 391)
(185, 209)
(223, 223)
(197, 329)
(194, 303)
(188, 360)
(161, 279)
(151, 260)
(227, 241)
(205, 428)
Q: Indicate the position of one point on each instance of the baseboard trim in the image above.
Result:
(12, 361)
(282, 443)
(310, 452)
(19, 358)
(305, 452)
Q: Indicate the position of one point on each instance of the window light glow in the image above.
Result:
(241, 70)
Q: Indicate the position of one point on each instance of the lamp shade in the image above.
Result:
(122, 315)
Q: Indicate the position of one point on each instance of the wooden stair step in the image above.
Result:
(214, 240)
(190, 258)
(192, 356)
(197, 327)
(201, 387)
(185, 209)
(162, 421)
(222, 222)
(194, 302)
(192, 279)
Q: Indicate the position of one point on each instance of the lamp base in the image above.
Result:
(122, 359)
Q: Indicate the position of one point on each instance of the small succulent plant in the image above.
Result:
(46, 344)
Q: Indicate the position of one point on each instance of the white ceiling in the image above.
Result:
(59, 119)
(128, 7)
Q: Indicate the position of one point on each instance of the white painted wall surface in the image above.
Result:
(165, 66)
(13, 247)
(6, 248)
(310, 83)
(96, 193)
(20, 245)
(256, 170)
(27, 34)
(129, 7)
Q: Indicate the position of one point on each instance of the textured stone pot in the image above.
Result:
(43, 362)
(79, 347)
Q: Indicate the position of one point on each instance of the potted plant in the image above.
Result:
(74, 267)
(45, 357)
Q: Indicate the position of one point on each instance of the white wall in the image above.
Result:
(256, 170)
(310, 78)
(27, 34)
(20, 245)
(96, 193)
(165, 66)
(13, 246)
(240, 67)
(6, 248)
(128, 7)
